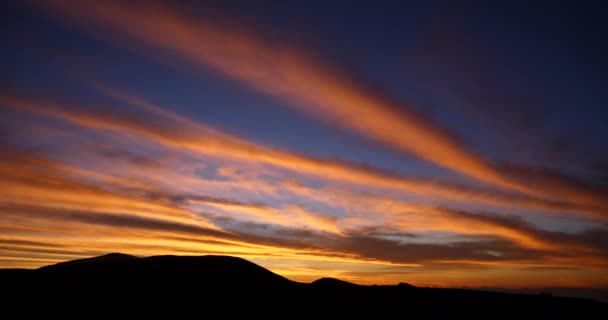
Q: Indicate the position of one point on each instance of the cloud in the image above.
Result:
(143, 180)
(160, 204)
(373, 214)
(293, 216)
(363, 247)
(67, 233)
(572, 189)
(170, 130)
(69, 201)
(28, 179)
(150, 213)
(520, 127)
(139, 160)
(290, 76)
(404, 252)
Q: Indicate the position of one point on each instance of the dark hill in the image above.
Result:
(332, 283)
(125, 272)
(228, 287)
(101, 260)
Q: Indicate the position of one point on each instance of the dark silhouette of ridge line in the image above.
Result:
(333, 283)
(230, 287)
(115, 270)
(405, 285)
(107, 258)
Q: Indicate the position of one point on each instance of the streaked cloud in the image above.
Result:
(173, 131)
(48, 216)
(290, 75)
(100, 169)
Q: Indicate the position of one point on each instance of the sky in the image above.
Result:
(434, 143)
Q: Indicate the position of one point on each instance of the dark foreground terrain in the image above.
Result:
(118, 285)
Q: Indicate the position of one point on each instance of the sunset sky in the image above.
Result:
(429, 142)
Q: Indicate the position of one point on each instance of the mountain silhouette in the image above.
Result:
(229, 287)
(333, 283)
(167, 272)
(100, 260)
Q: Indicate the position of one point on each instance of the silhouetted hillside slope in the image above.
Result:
(331, 283)
(229, 287)
(166, 272)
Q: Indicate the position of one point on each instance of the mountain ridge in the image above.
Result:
(235, 287)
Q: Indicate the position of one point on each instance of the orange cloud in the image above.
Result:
(50, 190)
(292, 216)
(48, 216)
(380, 212)
(286, 73)
(183, 134)
(51, 228)
(368, 213)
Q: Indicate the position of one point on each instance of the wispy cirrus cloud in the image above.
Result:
(92, 171)
(379, 212)
(170, 130)
(288, 74)
(40, 227)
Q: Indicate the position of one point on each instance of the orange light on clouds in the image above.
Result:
(79, 179)
(288, 74)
